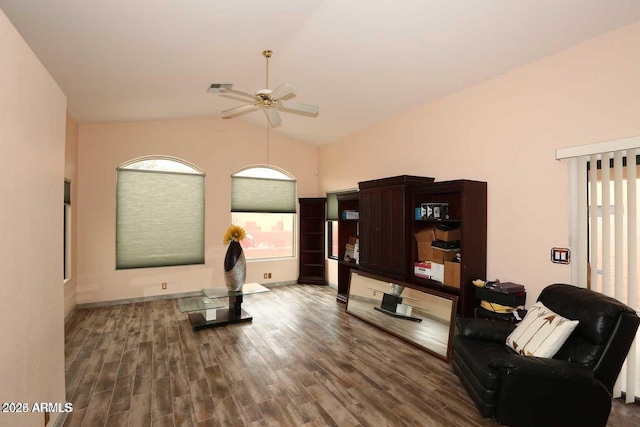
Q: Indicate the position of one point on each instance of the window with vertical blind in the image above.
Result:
(332, 225)
(159, 214)
(263, 202)
(66, 245)
(604, 192)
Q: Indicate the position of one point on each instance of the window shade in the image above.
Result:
(160, 219)
(332, 207)
(262, 195)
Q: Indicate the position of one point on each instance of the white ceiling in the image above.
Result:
(360, 61)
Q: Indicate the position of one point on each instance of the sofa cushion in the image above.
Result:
(541, 333)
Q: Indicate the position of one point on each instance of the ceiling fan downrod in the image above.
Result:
(267, 54)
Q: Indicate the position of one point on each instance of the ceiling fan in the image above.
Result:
(270, 101)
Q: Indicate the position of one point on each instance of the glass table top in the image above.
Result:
(247, 289)
(188, 305)
(212, 297)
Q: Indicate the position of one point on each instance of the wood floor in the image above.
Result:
(302, 362)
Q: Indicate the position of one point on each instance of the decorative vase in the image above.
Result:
(235, 267)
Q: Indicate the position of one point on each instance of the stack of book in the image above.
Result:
(352, 250)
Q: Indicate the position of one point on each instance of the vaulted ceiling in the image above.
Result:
(359, 61)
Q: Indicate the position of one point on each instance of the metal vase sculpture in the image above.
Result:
(235, 267)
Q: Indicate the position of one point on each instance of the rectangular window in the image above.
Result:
(66, 248)
(263, 202)
(608, 234)
(604, 238)
(332, 236)
(269, 235)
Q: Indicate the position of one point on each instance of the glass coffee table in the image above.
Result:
(209, 310)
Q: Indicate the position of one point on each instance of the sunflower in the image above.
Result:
(234, 233)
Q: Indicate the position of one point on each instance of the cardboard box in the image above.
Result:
(452, 274)
(441, 255)
(424, 239)
(437, 272)
(448, 236)
(429, 270)
(422, 269)
(349, 214)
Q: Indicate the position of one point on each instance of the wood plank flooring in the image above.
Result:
(303, 361)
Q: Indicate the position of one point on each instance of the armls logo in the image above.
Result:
(52, 407)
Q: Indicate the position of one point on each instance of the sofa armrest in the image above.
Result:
(485, 329)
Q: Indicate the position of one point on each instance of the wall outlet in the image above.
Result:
(266, 275)
(269, 276)
(164, 285)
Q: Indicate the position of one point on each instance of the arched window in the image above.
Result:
(160, 213)
(263, 202)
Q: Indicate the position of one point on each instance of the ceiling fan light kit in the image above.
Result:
(268, 100)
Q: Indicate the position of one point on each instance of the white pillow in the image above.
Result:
(541, 333)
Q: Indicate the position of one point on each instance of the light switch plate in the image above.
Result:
(560, 255)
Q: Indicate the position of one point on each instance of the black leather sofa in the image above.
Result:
(571, 389)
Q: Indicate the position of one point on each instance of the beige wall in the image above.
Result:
(71, 174)
(505, 131)
(219, 147)
(32, 134)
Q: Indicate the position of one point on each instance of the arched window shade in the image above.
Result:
(263, 190)
(160, 214)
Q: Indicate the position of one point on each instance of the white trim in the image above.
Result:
(598, 147)
(573, 220)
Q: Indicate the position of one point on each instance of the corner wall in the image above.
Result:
(505, 131)
(32, 137)
(219, 147)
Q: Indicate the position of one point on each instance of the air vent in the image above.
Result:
(215, 87)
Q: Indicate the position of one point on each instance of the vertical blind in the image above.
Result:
(604, 235)
(159, 219)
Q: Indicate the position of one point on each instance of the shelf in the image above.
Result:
(467, 210)
(312, 242)
(434, 284)
(349, 263)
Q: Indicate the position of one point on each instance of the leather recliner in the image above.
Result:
(571, 389)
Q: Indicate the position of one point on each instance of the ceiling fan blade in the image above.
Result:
(238, 110)
(282, 90)
(273, 116)
(237, 92)
(305, 108)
